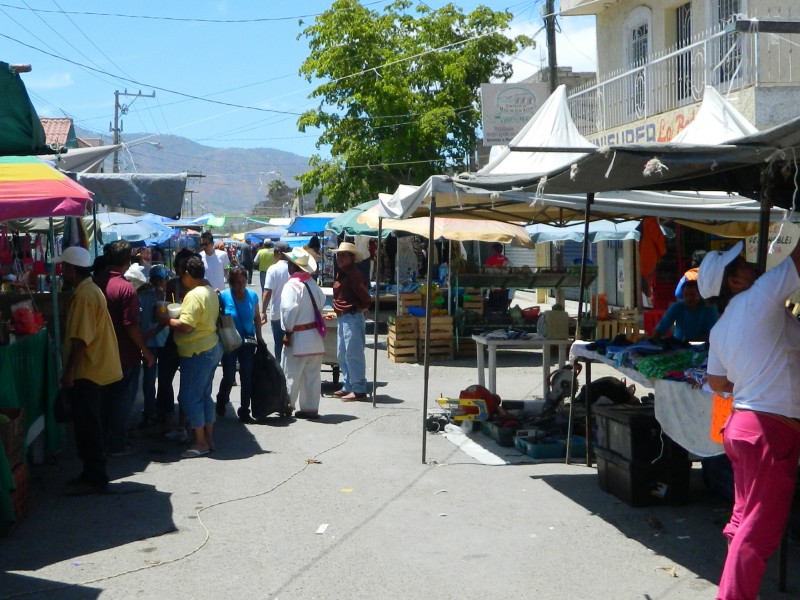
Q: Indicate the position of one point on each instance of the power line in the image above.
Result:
(179, 19)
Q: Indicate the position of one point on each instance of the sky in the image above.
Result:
(224, 73)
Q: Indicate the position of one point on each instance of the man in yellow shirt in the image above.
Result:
(91, 363)
(263, 260)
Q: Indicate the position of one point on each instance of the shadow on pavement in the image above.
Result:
(12, 584)
(687, 536)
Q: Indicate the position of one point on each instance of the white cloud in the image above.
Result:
(575, 46)
(48, 81)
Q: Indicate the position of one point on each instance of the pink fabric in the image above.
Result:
(764, 452)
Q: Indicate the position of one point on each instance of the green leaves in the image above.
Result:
(398, 93)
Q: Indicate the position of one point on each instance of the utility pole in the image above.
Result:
(119, 109)
(550, 29)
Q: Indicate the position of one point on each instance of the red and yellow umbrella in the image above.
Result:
(31, 188)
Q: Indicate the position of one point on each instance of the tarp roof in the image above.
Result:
(80, 160)
(599, 231)
(716, 122)
(21, 131)
(160, 194)
(311, 223)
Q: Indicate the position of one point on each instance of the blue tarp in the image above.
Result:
(265, 233)
(296, 240)
(309, 224)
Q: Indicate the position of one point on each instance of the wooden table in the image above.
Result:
(493, 345)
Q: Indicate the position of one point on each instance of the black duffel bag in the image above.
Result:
(269, 393)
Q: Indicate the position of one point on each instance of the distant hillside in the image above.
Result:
(235, 178)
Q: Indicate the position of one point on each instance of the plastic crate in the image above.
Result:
(502, 435)
(551, 446)
(640, 483)
(629, 431)
(12, 435)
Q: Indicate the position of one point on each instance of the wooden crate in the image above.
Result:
(407, 299)
(466, 347)
(400, 351)
(400, 328)
(475, 301)
(441, 328)
(440, 349)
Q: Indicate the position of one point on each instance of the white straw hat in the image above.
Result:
(351, 248)
(712, 270)
(302, 259)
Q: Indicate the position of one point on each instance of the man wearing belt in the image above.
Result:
(351, 301)
(301, 298)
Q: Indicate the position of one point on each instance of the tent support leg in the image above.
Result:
(763, 220)
(579, 330)
(377, 310)
(428, 307)
(54, 293)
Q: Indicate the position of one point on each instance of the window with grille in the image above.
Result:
(729, 51)
(637, 55)
(683, 24)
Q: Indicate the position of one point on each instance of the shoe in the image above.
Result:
(339, 393)
(193, 453)
(244, 416)
(304, 414)
(220, 408)
(287, 411)
(86, 489)
(126, 451)
(353, 397)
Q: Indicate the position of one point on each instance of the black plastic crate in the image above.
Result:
(629, 431)
(640, 483)
(502, 435)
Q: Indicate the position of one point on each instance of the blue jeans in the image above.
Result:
(245, 354)
(263, 278)
(197, 377)
(351, 334)
(277, 338)
(149, 376)
(117, 405)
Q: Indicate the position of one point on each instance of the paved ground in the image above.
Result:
(345, 507)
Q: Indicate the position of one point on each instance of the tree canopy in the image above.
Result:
(399, 98)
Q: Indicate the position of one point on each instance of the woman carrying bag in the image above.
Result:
(242, 305)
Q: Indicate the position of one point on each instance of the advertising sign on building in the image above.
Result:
(506, 107)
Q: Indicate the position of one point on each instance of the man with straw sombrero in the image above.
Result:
(303, 347)
(351, 301)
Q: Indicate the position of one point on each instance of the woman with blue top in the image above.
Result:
(241, 304)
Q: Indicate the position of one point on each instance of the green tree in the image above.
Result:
(400, 98)
(278, 194)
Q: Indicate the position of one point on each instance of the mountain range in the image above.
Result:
(233, 180)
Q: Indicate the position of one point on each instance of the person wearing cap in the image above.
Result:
(150, 293)
(91, 364)
(351, 301)
(690, 318)
(215, 261)
(277, 276)
(123, 306)
(755, 356)
(301, 299)
(263, 260)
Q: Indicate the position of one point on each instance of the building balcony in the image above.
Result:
(759, 67)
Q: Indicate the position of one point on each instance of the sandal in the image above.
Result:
(193, 453)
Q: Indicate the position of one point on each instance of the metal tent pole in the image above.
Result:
(579, 335)
(428, 307)
(54, 293)
(377, 308)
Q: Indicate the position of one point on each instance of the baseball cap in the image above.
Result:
(158, 272)
(712, 270)
(75, 255)
(281, 247)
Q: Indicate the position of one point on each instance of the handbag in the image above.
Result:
(318, 320)
(228, 335)
(62, 406)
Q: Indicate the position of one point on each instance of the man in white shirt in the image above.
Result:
(277, 276)
(216, 262)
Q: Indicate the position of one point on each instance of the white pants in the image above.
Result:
(303, 379)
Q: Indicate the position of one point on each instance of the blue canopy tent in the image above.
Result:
(311, 224)
(269, 232)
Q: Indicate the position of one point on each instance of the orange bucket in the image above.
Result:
(721, 408)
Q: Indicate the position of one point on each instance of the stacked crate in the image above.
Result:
(401, 342)
(11, 436)
(441, 338)
(409, 299)
(473, 300)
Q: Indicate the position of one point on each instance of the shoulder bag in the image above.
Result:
(229, 337)
(318, 320)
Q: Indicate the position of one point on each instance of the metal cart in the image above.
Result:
(330, 348)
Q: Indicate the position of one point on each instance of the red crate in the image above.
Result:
(12, 435)
(651, 318)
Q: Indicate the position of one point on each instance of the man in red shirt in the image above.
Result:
(497, 258)
(123, 306)
(351, 301)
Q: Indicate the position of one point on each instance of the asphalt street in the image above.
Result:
(345, 507)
